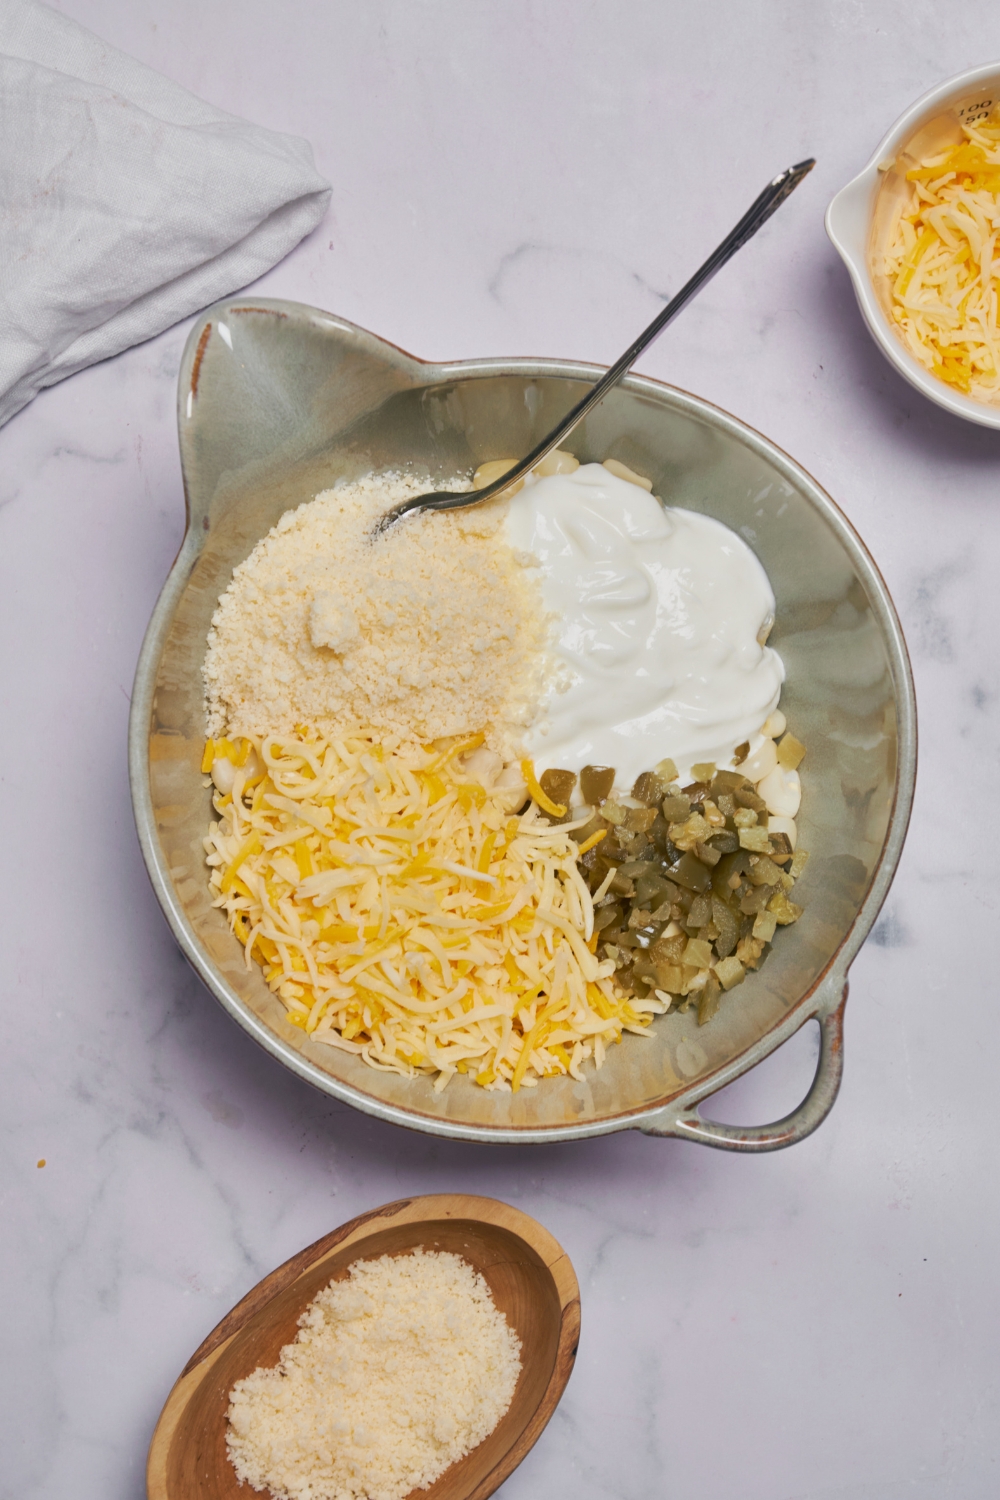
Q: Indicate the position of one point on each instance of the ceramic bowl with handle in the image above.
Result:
(277, 401)
(862, 216)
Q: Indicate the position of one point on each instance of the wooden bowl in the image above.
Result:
(532, 1282)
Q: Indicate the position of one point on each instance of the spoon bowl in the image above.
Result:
(529, 1275)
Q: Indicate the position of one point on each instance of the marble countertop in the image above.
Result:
(521, 177)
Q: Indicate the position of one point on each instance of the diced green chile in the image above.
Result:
(708, 1000)
(725, 842)
(648, 788)
(668, 950)
(596, 825)
(559, 786)
(658, 834)
(675, 809)
(596, 783)
(745, 796)
(726, 782)
(639, 819)
(755, 899)
(701, 911)
(610, 850)
(729, 928)
(737, 863)
(652, 883)
(606, 916)
(764, 872)
(652, 888)
(691, 873)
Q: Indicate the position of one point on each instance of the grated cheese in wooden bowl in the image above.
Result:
(940, 260)
(396, 1373)
(401, 913)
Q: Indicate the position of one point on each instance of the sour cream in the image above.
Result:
(656, 617)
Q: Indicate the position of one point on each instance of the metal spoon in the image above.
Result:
(759, 211)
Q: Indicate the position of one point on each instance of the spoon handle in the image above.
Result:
(757, 214)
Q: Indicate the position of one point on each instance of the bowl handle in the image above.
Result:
(688, 1124)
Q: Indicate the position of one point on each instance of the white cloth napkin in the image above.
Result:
(126, 203)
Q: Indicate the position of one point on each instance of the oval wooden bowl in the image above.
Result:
(532, 1282)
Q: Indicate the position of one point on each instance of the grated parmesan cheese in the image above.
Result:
(400, 913)
(396, 1373)
(436, 629)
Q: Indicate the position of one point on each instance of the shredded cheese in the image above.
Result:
(940, 259)
(400, 913)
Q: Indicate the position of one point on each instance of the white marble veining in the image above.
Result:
(820, 1324)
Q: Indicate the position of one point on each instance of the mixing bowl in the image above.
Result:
(862, 216)
(277, 401)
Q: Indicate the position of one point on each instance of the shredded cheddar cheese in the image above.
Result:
(941, 262)
(400, 913)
